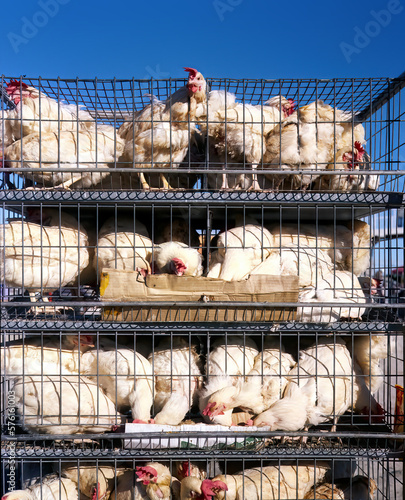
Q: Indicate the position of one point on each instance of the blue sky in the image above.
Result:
(229, 38)
(221, 38)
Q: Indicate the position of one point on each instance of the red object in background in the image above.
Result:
(399, 410)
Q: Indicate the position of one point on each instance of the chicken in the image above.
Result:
(177, 258)
(339, 287)
(151, 481)
(319, 283)
(6, 132)
(158, 480)
(264, 384)
(47, 250)
(237, 135)
(368, 351)
(261, 483)
(353, 488)
(125, 376)
(194, 488)
(161, 134)
(177, 371)
(50, 487)
(74, 157)
(347, 245)
(357, 162)
(320, 387)
(36, 113)
(128, 488)
(66, 404)
(266, 381)
(187, 468)
(123, 243)
(240, 250)
(309, 264)
(227, 366)
(94, 482)
(309, 139)
(47, 356)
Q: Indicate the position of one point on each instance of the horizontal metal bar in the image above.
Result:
(355, 435)
(15, 326)
(393, 200)
(202, 305)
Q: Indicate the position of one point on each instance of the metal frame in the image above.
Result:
(376, 103)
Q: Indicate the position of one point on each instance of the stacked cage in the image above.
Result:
(202, 288)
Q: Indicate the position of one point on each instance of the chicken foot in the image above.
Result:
(255, 182)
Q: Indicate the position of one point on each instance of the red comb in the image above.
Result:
(146, 474)
(293, 106)
(193, 72)
(179, 265)
(96, 492)
(209, 488)
(359, 147)
(15, 83)
(186, 469)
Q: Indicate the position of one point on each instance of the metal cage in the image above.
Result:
(292, 318)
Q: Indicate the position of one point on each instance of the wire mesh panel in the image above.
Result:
(202, 288)
(341, 135)
(176, 391)
(244, 262)
(227, 478)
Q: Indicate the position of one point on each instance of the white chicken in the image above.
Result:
(36, 113)
(174, 257)
(66, 404)
(264, 384)
(197, 489)
(50, 487)
(93, 482)
(240, 250)
(47, 250)
(309, 139)
(368, 350)
(125, 376)
(309, 264)
(237, 135)
(123, 243)
(339, 287)
(353, 488)
(152, 481)
(319, 283)
(74, 157)
(177, 371)
(320, 387)
(357, 163)
(347, 245)
(6, 132)
(188, 468)
(227, 366)
(262, 483)
(161, 134)
(50, 356)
